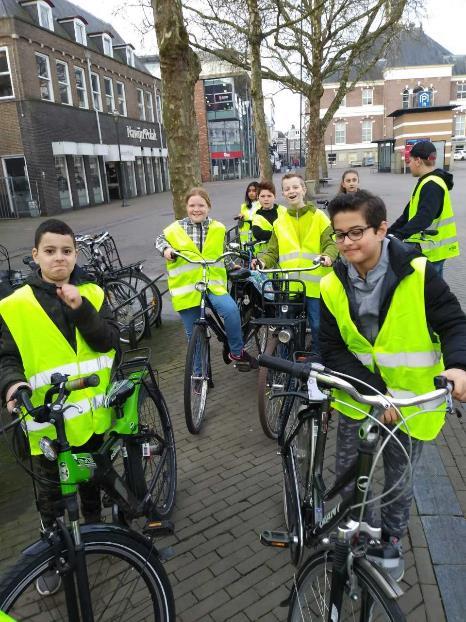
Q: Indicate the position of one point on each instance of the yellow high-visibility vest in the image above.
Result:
(44, 350)
(245, 225)
(404, 353)
(262, 222)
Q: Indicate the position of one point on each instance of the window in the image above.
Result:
(6, 86)
(44, 12)
(130, 56)
(63, 78)
(340, 133)
(80, 181)
(405, 99)
(43, 73)
(142, 110)
(366, 131)
(95, 180)
(107, 44)
(461, 90)
(149, 107)
(460, 125)
(158, 104)
(96, 97)
(80, 32)
(81, 87)
(121, 98)
(109, 98)
(63, 182)
(367, 97)
(218, 95)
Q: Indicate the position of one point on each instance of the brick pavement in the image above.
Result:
(229, 483)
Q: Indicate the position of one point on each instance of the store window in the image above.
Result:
(366, 128)
(141, 176)
(45, 15)
(367, 97)
(81, 87)
(63, 182)
(6, 85)
(80, 32)
(340, 133)
(141, 107)
(64, 88)
(121, 98)
(109, 97)
(95, 179)
(150, 175)
(149, 106)
(96, 96)
(43, 73)
(130, 176)
(80, 181)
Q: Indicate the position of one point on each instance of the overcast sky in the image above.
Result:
(445, 22)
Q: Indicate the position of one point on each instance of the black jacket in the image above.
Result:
(429, 208)
(99, 329)
(443, 313)
(271, 216)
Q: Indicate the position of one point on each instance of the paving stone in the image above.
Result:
(435, 495)
(424, 567)
(446, 536)
(452, 584)
(430, 462)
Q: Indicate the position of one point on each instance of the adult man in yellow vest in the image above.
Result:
(58, 322)
(389, 320)
(429, 208)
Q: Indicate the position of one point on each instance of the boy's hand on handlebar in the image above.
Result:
(326, 261)
(389, 416)
(70, 295)
(458, 378)
(257, 263)
(11, 403)
(168, 254)
(239, 217)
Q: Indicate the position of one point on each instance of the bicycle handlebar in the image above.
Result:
(325, 376)
(317, 261)
(82, 383)
(207, 262)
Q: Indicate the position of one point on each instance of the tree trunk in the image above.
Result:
(314, 141)
(323, 160)
(180, 69)
(260, 127)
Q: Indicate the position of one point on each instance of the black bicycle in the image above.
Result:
(338, 582)
(108, 571)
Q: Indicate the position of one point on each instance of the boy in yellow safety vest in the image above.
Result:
(266, 215)
(58, 322)
(389, 320)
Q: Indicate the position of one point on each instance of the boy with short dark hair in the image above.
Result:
(387, 318)
(266, 215)
(58, 322)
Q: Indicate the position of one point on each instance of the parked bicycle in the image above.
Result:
(337, 582)
(108, 571)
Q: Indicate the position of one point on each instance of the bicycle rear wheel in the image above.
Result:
(196, 378)
(269, 382)
(311, 594)
(127, 308)
(126, 581)
(144, 284)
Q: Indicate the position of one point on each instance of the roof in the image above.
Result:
(63, 9)
(401, 111)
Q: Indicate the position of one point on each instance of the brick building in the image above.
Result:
(80, 115)
(417, 91)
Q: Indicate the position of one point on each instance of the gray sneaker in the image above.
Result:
(48, 583)
(389, 556)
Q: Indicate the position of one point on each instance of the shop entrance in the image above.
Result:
(113, 180)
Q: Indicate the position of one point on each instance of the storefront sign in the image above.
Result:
(409, 145)
(226, 155)
(141, 134)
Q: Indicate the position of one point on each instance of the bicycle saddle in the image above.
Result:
(118, 392)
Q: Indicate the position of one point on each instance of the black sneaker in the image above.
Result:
(244, 361)
(48, 583)
(389, 556)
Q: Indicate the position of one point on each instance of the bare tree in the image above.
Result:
(180, 69)
(306, 43)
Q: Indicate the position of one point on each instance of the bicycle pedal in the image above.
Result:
(277, 539)
(158, 528)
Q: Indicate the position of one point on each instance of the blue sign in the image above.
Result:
(424, 99)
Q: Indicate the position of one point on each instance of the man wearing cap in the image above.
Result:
(429, 208)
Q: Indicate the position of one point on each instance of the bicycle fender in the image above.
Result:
(390, 587)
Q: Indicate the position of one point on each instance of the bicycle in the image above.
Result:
(287, 333)
(198, 370)
(337, 582)
(117, 571)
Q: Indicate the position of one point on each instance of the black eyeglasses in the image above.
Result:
(353, 234)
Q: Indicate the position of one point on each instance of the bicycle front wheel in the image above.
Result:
(270, 381)
(196, 378)
(311, 595)
(126, 582)
(127, 309)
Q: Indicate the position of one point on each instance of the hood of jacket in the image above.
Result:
(445, 175)
(77, 277)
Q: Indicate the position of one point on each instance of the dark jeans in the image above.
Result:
(49, 502)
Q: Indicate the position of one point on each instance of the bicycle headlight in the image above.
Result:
(201, 286)
(284, 308)
(284, 336)
(47, 447)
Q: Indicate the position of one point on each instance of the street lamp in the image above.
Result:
(116, 118)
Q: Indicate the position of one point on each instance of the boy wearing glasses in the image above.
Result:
(387, 319)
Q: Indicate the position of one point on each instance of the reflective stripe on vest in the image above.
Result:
(444, 245)
(183, 276)
(44, 350)
(403, 353)
(299, 243)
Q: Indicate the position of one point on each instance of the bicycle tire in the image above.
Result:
(196, 378)
(118, 292)
(311, 592)
(136, 586)
(140, 281)
(269, 410)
